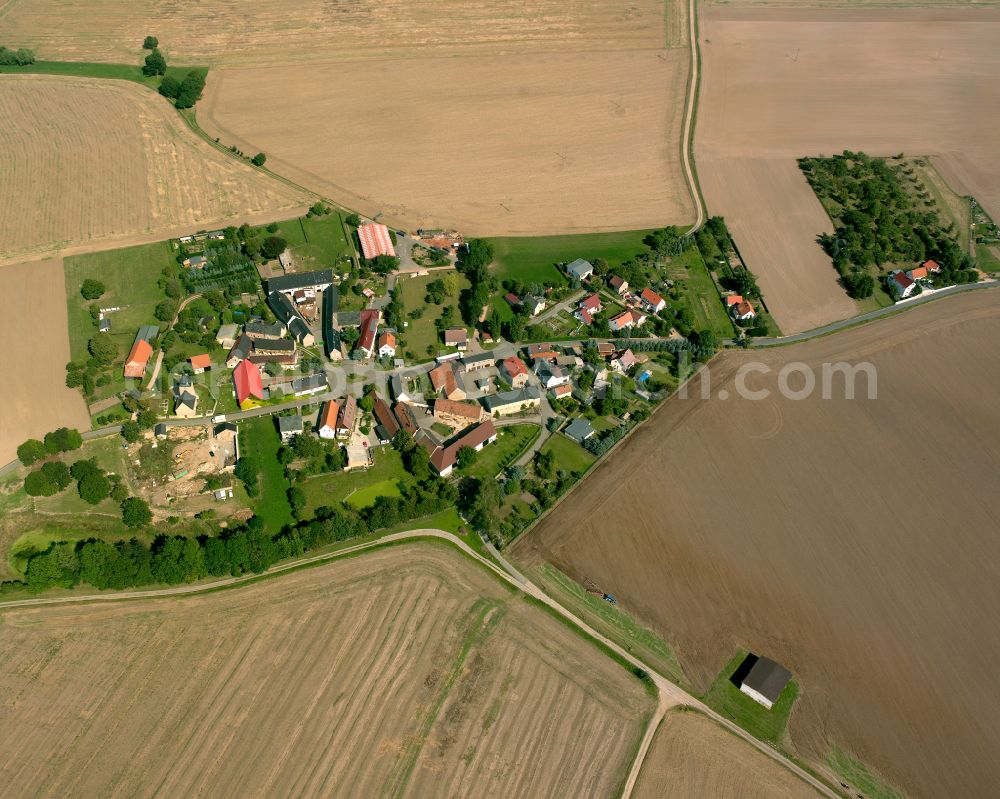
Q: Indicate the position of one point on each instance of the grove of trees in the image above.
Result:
(16, 58)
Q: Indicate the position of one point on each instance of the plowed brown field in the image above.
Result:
(692, 757)
(98, 161)
(404, 672)
(854, 541)
(780, 83)
(33, 355)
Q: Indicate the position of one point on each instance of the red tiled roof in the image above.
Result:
(616, 282)
(512, 298)
(563, 390)
(203, 361)
(733, 299)
(470, 410)
(443, 457)
(375, 240)
(247, 378)
(902, 280)
(918, 274)
(585, 316)
(591, 303)
(348, 412)
(931, 266)
(745, 308)
(456, 335)
(651, 297)
(135, 365)
(328, 416)
(384, 416)
(387, 338)
(405, 416)
(514, 366)
(369, 326)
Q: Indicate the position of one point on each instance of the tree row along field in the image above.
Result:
(407, 671)
(848, 539)
(917, 81)
(114, 162)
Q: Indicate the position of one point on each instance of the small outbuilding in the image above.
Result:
(762, 679)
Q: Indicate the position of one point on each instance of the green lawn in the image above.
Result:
(988, 257)
(569, 455)
(259, 439)
(534, 258)
(501, 453)
(860, 776)
(421, 334)
(129, 276)
(317, 242)
(85, 69)
(701, 294)
(727, 699)
(361, 486)
(610, 620)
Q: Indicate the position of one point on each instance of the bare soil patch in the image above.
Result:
(780, 83)
(402, 672)
(692, 757)
(98, 161)
(33, 329)
(513, 144)
(854, 541)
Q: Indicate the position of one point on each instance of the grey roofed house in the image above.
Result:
(148, 333)
(282, 307)
(226, 333)
(580, 269)
(160, 431)
(319, 279)
(310, 384)
(241, 349)
(278, 345)
(526, 394)
(289, 425)
(480, 361)
(264, 329)
(205, 321)
(349, 319)
(579, 430)
(765, 681)
(399, 391)
(299, 329)
(331, 336)
(184, 397)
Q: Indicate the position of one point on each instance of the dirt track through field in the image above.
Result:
(853, 541)
(780, 83)
(33, 356)
(392, 673)
(692, 757)
(98, 161)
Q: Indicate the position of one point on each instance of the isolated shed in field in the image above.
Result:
(764, 681)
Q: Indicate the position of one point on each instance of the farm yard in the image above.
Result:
(692, 757)
(286, 689)
(116, 164)
(34, 379)
(880, 71)
(799, 577)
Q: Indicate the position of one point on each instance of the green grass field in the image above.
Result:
(727, 699)
(494, 457)
(259, 439)
(534, 258)
(860, 776)
(361, 487)
(317, 242)
(568, 454)
(129, 276)
(701, 294)
(421, 336)
(86, 69)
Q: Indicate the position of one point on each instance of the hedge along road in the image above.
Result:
(669, 695)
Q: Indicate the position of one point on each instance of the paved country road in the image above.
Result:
(669, 695)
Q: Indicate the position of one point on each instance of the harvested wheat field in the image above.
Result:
(401, 672)
(780, 83)
(692, 757)
(854, 541)
(36, 348)
(97, 161)
(515, 144)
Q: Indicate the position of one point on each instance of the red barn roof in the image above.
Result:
(246, 377)
(375, 240)
(135, 365)
(369, 326)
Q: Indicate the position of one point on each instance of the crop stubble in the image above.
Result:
(95, 161)
(325, 682)
(853, 541)
(780, 83)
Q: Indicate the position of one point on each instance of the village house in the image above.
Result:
(743, 311)
(248, 383)
(398, 387)
(514, 371)
(565, 390)
(200, 363)
(457, 337)
(447, 382)
(580, 269)
(387, 345)
(258, 329)
(918, 273)
(326, 424)
(375, 241)
(369, 330)
(542, 352)
(196, 262)
(652, 301)
(605, 349)
(765, 680)
(901, 284)
(226, 337)
(550, 375)
(588, 308)
(348, 416)
(626, 320)
(457, 414)
(620, 286)
(623, 361)
(579, 430)
(300, 331)
(387, 426)
(535, 305)
(473, 363)
(310, 282)
(443, 459)
(406, 417)
(289, 427)
(509, 402)
(310, 384)
(138, 358)
(931, 266)
(185, 398)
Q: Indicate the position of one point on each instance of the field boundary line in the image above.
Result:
(690, 119)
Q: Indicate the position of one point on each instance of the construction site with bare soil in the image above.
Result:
(852, 540)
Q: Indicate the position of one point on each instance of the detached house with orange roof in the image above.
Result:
(326, 424)
(514, 371)
(626, 320)
(743, 311)
(387, 345)
(652, 301)
(138, 359)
